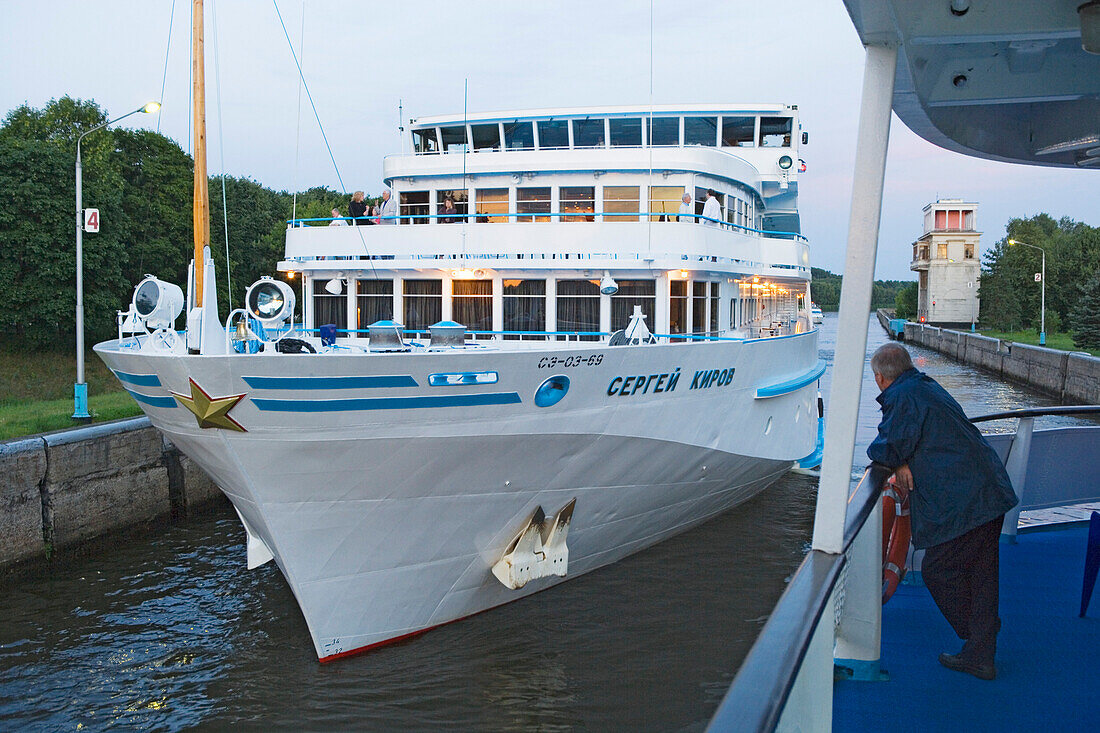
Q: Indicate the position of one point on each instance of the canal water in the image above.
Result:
(168, 631)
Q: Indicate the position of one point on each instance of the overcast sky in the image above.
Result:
(361, 58)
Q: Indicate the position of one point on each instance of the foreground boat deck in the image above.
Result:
(1047, 661)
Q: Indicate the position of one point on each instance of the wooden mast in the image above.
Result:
(201, 210)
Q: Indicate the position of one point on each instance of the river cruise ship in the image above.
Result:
(577, 332)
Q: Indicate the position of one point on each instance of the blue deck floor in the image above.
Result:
(1048, 659)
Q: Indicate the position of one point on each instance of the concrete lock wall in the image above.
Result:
(61, 489)
(1069, 376)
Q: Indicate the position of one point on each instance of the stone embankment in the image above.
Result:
(59, 490)
(1072, 377)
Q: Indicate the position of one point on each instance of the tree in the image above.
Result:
(905, 302)
(1084, 320)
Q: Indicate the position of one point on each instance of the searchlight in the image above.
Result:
(156, 303)
(270, 301)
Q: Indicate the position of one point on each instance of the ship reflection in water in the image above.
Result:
(169, 631)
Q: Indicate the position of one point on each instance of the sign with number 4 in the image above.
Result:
(91, 220)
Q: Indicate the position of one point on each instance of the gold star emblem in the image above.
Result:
(211, 412)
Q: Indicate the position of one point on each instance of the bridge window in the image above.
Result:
(423, 303)
(553, 134)
(701, 131)
(453, 139)
(578, 203)
(630, 294)
(415, 204)
(519, 136)
(775, 132)
(491, 201)
(588, 133)
(328, 308)
(664, 131)
(533, 200)
(664, 202)
(524, 305)
(578, 306)
(620, 203)
(374, 302)
(472, 304)
(738, 132)
(425, 141)
(626, 132)
(486, 137)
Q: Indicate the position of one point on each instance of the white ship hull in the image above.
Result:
(387, 502)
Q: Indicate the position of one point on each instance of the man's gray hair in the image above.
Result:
(890, 360)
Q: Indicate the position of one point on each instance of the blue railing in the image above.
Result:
(425, 333)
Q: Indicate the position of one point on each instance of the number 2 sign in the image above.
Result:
(91, 220)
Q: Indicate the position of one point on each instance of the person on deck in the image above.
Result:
(959, 492)
(357, 209)
(336, 220)
(712, 209)
(687, 211)
(447, 211)
(387, 211)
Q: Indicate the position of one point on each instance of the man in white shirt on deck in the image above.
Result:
(388, 208)
(712, 209)
(686, 209)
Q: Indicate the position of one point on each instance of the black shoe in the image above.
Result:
(957, 663)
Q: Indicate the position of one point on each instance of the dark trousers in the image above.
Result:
(963, 577)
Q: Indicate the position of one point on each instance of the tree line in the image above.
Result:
(825, 290)
(141, 182)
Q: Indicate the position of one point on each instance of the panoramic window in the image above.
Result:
(491, 201)
(485, 137)
(664, 131)
(578, 203)
(415, 204)
(588, 133)
(423, 303)
(620, 203)
(328, 308)
(461, 203)
(578, 307)
(453, 139)
(701, 131)
(553, 134)
(472, 304)
(524, 306)
(425, 141)
(630, 294)
(699, 308)
(626, 132)
(677, 306)
(374, 302)
(533, 200)
(664, 202)
(519, 136)
(775, 132)
(738, 132)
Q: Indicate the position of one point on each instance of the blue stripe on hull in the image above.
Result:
(388, 403)
(141, 380)
(792, 385)
(167, 401)
(330, 382)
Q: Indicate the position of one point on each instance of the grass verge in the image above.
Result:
(1061, 341)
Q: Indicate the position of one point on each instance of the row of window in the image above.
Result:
(573, 203)
(577, 305)
(920, 251)
(728, 131)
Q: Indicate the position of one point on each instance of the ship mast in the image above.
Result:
(201, 211)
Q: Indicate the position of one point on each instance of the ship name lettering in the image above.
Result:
(712, 378)
(629, 386)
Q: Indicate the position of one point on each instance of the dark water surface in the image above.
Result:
(169, 631)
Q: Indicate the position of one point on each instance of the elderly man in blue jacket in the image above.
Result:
(959, 493)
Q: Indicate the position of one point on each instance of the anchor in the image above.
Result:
(539, 550)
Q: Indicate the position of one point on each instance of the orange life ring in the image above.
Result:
(896, 534)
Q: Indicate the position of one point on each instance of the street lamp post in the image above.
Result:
(80, 388)
(1043, 290)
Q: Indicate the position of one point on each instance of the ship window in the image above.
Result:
(714, 303)
(328, 308)
(461, 202)
(698, 308)
(578, 203)
(701, 131)
(423, 303)
(630, 294)
(472, 304)
(520, 136)
(677, 306)
(664, 131)
(588, 134)
(701, 200)
(491, 201)
(664, 202)
(738, 132)
(425, 141)
(453, 139)
(775, 132)
(524, 306)
(620, 203)
(533, 200)
(374, 302)
(415, 204)
(578, 307)
(626, 132)
(486, 137)
(553, 134)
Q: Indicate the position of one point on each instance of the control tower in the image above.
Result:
(946, 261)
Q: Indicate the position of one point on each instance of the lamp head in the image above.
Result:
(608, 286)
(271, 302)
(151, 107)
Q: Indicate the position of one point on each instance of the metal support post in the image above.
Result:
(80, 388)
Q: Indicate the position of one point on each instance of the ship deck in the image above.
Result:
(1046, 660)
